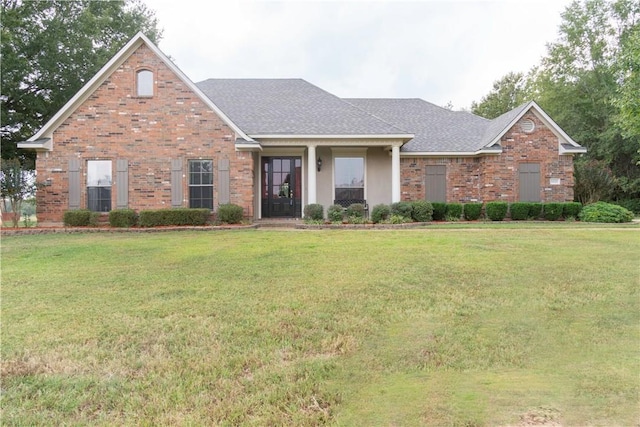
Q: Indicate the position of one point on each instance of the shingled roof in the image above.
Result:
(289, 107)
(295, 107)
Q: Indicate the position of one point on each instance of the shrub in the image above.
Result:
(398, 219)
(553, 211)
(230, 213)
(519, 210)
(472, 211)
(535, 210)
(123, 218)
(80, 218)
(176, 216)
(355, 210)
(354, 219)
(335, 213)
(571, 210)
(454, 211)
(496, 211)
(593, 181)
(421, 211)
(630, 204)
(314, 212)
(439, 211)
(380, 213)
(605, 212)
(402, 209)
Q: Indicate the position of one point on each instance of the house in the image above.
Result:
(141, 135)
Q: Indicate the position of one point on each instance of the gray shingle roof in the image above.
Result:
(296, 107)
(290, 107)
(436, 129)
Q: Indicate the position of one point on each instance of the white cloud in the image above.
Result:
(440, 51)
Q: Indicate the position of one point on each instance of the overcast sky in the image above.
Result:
(441, 51)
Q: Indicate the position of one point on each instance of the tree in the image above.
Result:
(16, 184)
(507, 94)
(628, 97)
(50, 49)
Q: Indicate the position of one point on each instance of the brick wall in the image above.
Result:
(495, 177)
(113, 123)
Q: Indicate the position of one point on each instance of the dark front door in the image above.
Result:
(281, 187)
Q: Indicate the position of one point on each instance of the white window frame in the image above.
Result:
(144, 81)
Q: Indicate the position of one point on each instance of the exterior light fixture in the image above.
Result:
(319, 164)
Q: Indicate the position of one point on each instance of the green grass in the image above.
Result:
(408, 327)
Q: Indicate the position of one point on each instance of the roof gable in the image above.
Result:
(501, 125)
(118, 59)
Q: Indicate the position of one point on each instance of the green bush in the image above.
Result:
(380, 213)
(355, 210)
(605, 212)
(314, 212)
(454, 211)
(176, 216)
(496, 211)
(571, 210)
(630, 204)
(439, 211)
(398, 219)
(519, 210)
(230, 213)
(472, 211)
(402, 209)
(123, 218)
(552, 211)
(335, 213)
(421, 211)
(535, 210)
(80, 218)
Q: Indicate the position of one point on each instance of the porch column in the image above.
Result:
(395, 174)
(311, 174)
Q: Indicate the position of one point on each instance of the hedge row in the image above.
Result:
(498, 211)
(227, 213)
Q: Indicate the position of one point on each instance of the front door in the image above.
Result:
(281, 187)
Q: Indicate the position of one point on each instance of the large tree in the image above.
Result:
(49, 49)
(507, 94)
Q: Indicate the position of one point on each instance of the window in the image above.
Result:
(201, 184)
(99, 185)
(144, 83)
(349, 178)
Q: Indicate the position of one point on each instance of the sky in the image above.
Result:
(443, 51)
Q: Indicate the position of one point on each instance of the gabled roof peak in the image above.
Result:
(125, 52)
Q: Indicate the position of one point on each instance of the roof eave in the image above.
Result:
(479, 153)
(39, 145)
(572, 150)
(403, 136)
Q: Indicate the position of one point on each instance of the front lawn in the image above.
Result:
(495, 326)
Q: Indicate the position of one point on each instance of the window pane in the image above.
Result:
(99, 173)
(349, 177)
(145, 83)
(99, 199)
(201, 184)
(349, 172)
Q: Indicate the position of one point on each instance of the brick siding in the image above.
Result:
(113, 123)
(495, 177)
